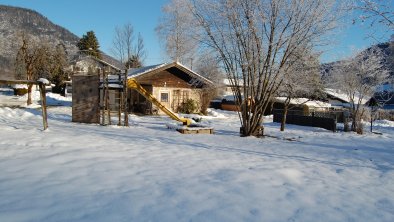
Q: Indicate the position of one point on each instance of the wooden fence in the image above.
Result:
(328, 123)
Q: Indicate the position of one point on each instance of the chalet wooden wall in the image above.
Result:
(85, 99)
(165, 78)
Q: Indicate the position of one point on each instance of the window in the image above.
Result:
(164, 97)
(185, 96)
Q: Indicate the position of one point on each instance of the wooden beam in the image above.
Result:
(13, 81)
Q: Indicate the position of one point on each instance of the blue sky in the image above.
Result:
(80, 16)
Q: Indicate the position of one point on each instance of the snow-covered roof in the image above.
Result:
(106, 60)
(305, 101)
(342, 95)
(133, 73)
(106, 63)
(227, 82)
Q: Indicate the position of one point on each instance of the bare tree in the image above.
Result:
(176, 31)
(301, 78)
(359, 78)
(138, 54)
(376, 11)
(118, 48)
(139, 50)
(126, 49)
(255, 39)
(122, 43)
(208, 66)
(32, 60)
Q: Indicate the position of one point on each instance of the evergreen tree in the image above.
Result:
(134, 62)
(90, 43)
(57, 68)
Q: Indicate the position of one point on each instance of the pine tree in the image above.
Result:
(134, 62)
(90, 43)
(57, 68)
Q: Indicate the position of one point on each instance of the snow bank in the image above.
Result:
(215, 113)
(384, 123)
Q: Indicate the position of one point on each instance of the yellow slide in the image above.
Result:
(133, 84)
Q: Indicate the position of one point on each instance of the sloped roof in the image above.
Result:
(227, 82)
(336, 93)
(106, 63)
(112, 61)
(133, 73)
(304, 101)
(106, 60)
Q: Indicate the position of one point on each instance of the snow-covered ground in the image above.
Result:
(8, 99)
(146, 172)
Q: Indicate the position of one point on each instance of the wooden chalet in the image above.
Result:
(171, 83)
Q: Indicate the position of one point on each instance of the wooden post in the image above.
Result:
(107, 99)
(125, 97)
(102, 100)
(43, 105)
(99, 94)
(120, 102)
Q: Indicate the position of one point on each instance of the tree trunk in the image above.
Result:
(283, 123)
(29, 91)
(258, 131)
(354, 124)
(355, 121)
(252, 127)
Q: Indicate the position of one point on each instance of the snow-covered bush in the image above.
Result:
(20, 89)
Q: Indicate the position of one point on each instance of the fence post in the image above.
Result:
(43, 105)
(125, 98)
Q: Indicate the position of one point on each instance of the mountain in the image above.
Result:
(387, 49)
(14, 21)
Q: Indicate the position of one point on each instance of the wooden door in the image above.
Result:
(164, 98)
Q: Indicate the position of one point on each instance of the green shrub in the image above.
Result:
(188, 107)
(20, 91)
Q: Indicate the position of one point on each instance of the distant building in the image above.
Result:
(86, 64)
(226, 88)
(339, 99)
(83, 64)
